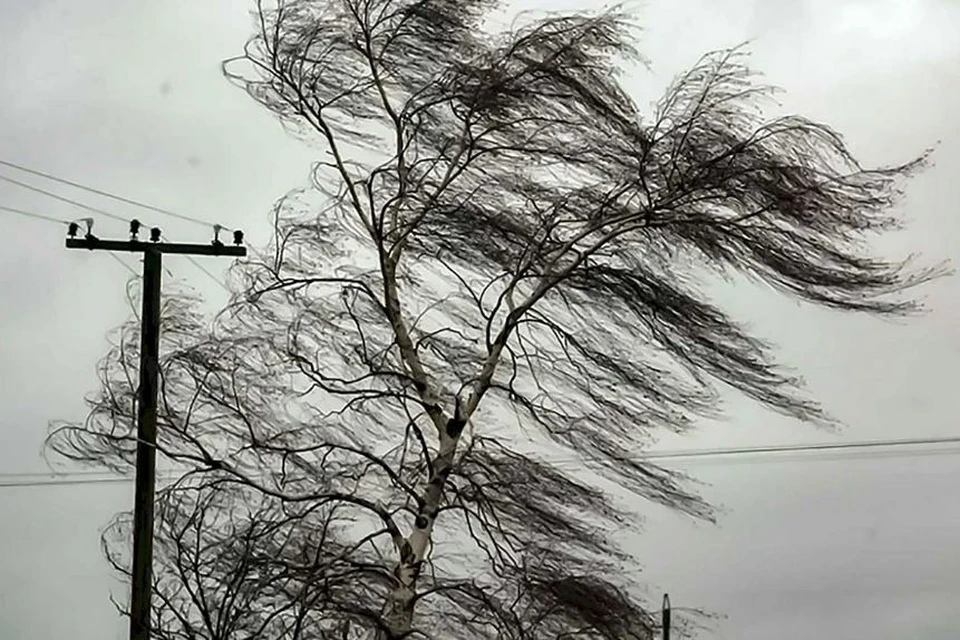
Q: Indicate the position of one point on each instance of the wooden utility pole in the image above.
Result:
(142, 575)
(665, 617)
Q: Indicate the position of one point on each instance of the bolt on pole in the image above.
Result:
(141, 582)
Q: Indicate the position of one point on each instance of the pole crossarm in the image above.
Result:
(137, 246)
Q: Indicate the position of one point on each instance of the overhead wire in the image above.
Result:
(45, 218)
(116, 197)
(821, 446)
(30, 214)
(859, 450)
(55, 196)
(120, 198)
(104, 193)
(97, 210)
(209, 274)
(125, 265)
(53, 474)
(821, 451)
(202, 268)
(65, 481)
(72, 480)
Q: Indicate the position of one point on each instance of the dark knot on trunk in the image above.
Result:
(455, 427)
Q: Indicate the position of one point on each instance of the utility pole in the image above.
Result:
(142, 575)
(665, 617)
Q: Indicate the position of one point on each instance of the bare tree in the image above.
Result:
(494, 272)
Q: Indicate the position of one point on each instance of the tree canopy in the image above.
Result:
(502, 255)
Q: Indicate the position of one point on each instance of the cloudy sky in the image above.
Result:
(128, 97)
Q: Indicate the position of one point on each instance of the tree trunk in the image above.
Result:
(413, 550)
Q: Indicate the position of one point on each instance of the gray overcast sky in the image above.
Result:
(128, 97)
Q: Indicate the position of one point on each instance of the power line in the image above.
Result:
(197, 264)
(46, 218)
(63, 482)
(97, 477)
(106, 194)
(823, 446)
(9, 480)
(803, 457)
(30, 214)
(55, 196)
(109, 194)
(202, 268)
(822, 451)
(118, 198)
(819, 451)
(58, 221)
(125, 265)
(79, 473)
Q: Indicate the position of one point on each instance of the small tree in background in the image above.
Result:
(507, 249)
